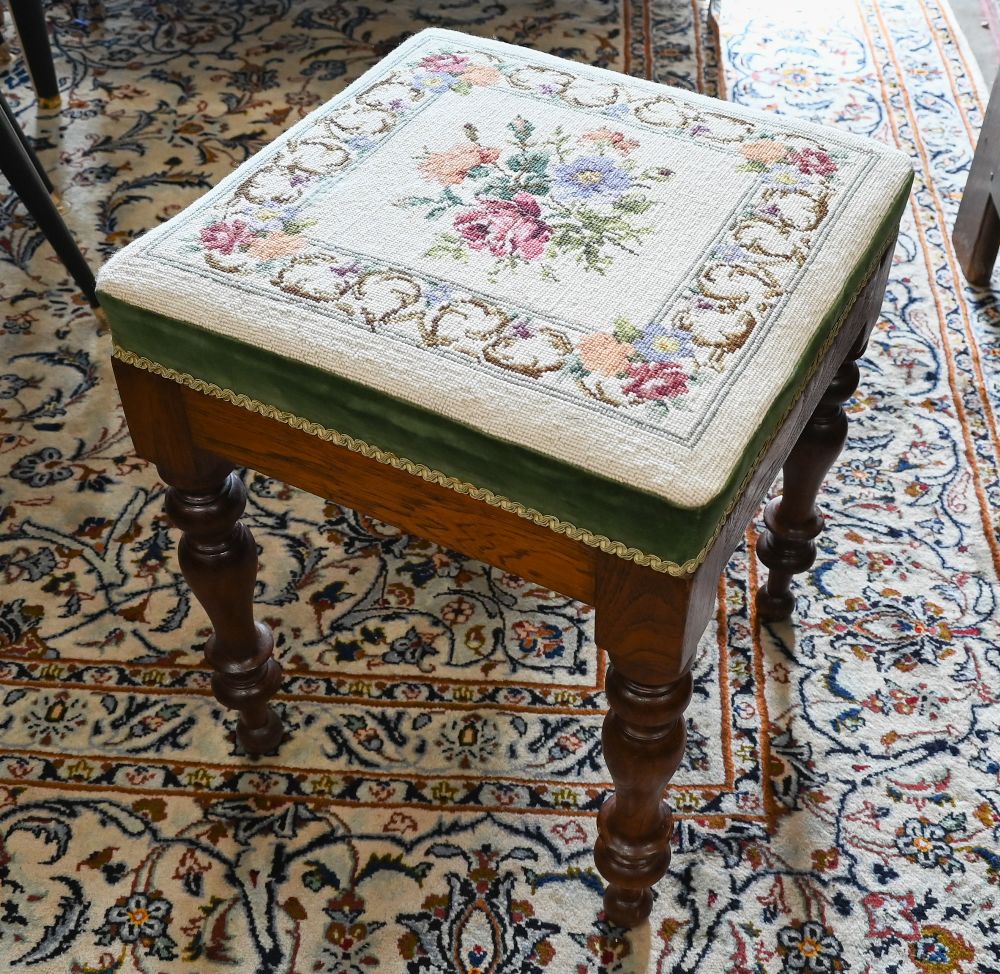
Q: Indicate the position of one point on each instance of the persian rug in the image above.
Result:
(433, 809)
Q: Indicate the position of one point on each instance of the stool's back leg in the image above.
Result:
(218, 555)
(649, 624)
(787, 545)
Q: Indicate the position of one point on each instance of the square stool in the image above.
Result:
(568, 322)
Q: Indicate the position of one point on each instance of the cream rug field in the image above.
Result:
(434, 807)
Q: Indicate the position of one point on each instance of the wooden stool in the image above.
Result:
(568, 322)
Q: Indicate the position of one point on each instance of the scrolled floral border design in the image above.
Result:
(639, 369)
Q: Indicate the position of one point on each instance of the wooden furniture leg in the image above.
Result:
(29, 19)
(24, 172)
(977, 227)
(650, 625)
(218, 557)
(787, 545)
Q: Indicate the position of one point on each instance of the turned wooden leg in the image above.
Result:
(643, 738)
(649, 623)
(218, 557)
(787, 545)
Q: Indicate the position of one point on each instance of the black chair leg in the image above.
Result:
(29, 18)
(19, 164)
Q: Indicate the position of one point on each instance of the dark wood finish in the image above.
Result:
(787, 545)
(650, 627)
(424, 509)
(28, 179)
(218, 557)
(977, 227)
(29, 19)
(649, 622)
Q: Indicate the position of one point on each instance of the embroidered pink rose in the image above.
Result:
(481, 75)
(450, 166)
(225, 237)
(603, 353)
(447, 63)
(813, 162)
(614, 140)
(506, 227)
(656, 380)
(275, 245)
(765, 151)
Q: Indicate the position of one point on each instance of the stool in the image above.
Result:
(562, 320)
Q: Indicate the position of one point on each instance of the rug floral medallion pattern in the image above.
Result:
(433, 809)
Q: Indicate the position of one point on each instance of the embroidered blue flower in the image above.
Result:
(617, 111)
(661, 344)
(592, 176)
(433, 81)
(437, 295)
(362, 143)
(784, 175)
(733, 254)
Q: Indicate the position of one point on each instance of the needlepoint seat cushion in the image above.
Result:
(581, 296)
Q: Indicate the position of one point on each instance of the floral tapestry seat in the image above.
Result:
(583, 297)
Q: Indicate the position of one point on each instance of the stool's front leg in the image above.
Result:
(649, 624)
(787, 545)
(643, 740)
(218, 557)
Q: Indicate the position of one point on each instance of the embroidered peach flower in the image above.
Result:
(482, 75)
(451, 166)
(765, 151)
(612, 139)
(603, 353)
(275, 245)
(506, 227)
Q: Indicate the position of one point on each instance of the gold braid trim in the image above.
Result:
(599, 541)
